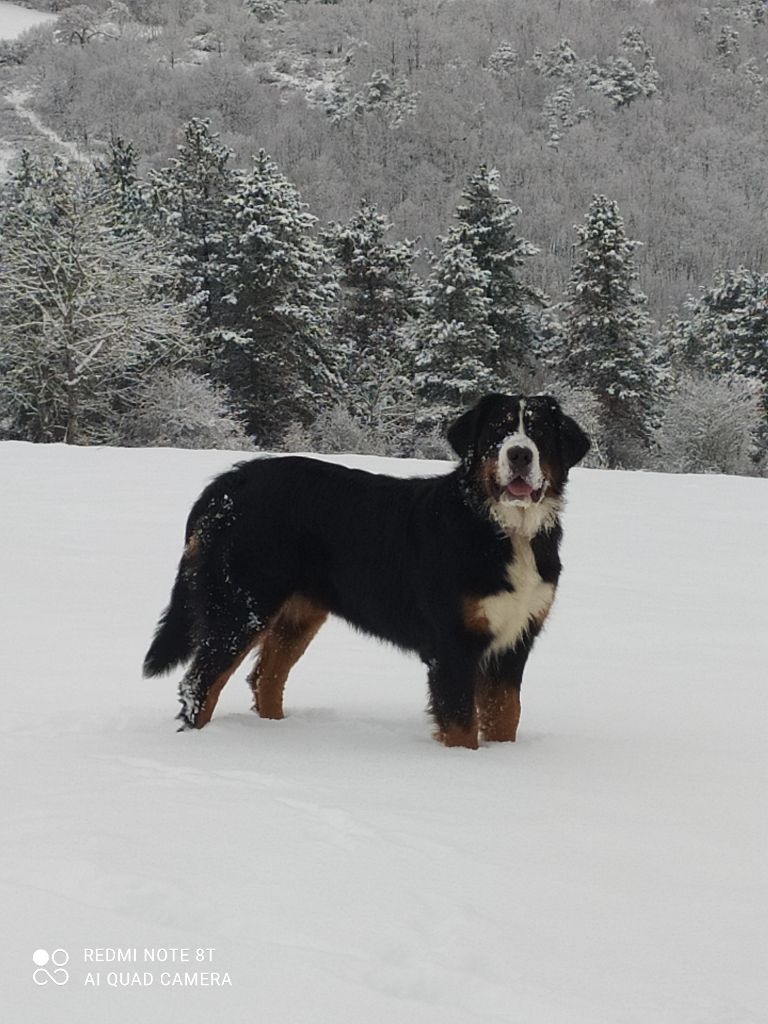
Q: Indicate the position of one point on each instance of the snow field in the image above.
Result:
(607, 868)
(14, 19)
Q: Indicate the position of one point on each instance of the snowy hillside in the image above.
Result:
(14, 19)
(606, 869)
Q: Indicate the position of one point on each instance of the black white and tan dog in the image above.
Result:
(460, 568)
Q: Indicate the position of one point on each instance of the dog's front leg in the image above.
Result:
(452, 699)
(498, 694)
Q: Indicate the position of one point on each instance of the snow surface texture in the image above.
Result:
(606, 869)
(15, 20)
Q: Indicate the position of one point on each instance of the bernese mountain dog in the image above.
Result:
(460, 569)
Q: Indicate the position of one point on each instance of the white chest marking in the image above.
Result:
(509, 612)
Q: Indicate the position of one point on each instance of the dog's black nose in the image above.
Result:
(519, 459)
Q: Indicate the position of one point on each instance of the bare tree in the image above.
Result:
(82, 315)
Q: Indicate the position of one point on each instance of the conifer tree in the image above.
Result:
(187, 200)
(727, 330)
(488, 228)
(455, 345)
(623, 79)
(727, 48)
(504, 60)
(561, 114)
(376, 277)
(560, 62)
(606, 330)
(266, 10)
(275, 328)
(118, 172)
(379, 297)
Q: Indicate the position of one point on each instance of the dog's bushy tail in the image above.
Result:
(173, 641)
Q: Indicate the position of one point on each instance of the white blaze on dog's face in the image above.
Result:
(517, 451)
(518, 467)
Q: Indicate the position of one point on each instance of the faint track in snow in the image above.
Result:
(18, 98)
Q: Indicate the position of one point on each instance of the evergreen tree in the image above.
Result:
(455, 345)
(727, 48)
(187, 200)
(560, 114)
(504, 60)
(266, 10)
(560, 62)
(606, 330)
(118, 172)
(703, 22)
(376, 277)
(379, 295)
(82, 316)
(623, 79)
(727, 330)
(275, 327)
(385, 94)
(488, 228)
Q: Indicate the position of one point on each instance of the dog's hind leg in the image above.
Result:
(288, 634)
(207, 676)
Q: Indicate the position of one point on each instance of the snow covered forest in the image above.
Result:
(328, 226)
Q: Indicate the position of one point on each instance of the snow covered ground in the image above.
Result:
(609, 868)
(14, 20)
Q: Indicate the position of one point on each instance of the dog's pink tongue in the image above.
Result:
(518, 488)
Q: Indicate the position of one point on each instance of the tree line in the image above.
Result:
(203, 304)
(661, 106)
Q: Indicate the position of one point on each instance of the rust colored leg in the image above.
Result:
(286, 638)
(498, 712)
(459, 736)
(203, 682)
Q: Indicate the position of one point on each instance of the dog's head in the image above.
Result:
(516, 453)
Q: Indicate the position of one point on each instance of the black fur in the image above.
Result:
(397, 558)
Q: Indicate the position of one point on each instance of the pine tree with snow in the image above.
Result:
(82, 311)
(606, 330)
(727, 48)
(632, 41)
(488, 225)
(727, 329)
(624, 79)
(560, 62)
(187, 203)
(379, 297)
(455, 345)
(274, 331)
(118, 172)
(389, 95)
(703, 22)
(561, 114)
(376, 276)
(266, 10)
(618, 80)
(504, 60)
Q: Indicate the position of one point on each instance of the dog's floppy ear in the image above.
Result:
(573, 441)
(462, 432)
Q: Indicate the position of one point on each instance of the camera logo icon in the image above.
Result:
(50, 967)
